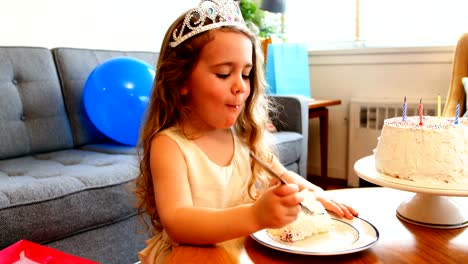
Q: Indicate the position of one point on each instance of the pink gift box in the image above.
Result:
(27, 252)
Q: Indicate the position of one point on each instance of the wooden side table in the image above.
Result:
(318, 108)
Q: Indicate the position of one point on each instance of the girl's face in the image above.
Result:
(220, 81)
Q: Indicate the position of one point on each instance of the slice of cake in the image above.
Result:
(306, 224)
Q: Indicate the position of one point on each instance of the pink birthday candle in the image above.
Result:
(420, 112)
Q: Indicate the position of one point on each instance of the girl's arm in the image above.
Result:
(341, 209)
(185, 223)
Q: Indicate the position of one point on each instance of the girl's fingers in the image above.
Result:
(293, 211)
(340, 209)
(351, 210)
(345, 211)
(285, 189)
(274, 182)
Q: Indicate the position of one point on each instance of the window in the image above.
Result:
(375, 23)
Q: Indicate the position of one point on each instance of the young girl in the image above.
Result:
(207, 112)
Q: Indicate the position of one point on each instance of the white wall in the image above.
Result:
(141, 24)
(107, 24)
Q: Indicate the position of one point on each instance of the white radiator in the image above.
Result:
(367, 116)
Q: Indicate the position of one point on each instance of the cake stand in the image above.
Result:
(433, 205)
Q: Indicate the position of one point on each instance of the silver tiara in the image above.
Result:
(209, 14)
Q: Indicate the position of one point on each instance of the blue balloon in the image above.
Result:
(116, 95)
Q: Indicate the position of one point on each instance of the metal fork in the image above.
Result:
(276, 175)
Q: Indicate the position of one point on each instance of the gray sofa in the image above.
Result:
(64, 184)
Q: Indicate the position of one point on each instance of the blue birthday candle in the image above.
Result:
(404, 110)
(457, 113)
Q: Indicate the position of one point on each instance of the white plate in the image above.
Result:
(365, 168)
(346, 236)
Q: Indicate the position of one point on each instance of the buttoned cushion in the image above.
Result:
(49, 196)
(289, 147)
(32, 113)
(74, 66)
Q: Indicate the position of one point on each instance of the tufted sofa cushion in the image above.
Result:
(292, 121)
(31, 105)
(53, 191)
(288, 145)
(46, 197)
(74, 66)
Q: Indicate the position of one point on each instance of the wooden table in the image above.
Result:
(399, 242)
(318, 108)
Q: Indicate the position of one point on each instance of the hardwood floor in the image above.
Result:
(333, 183)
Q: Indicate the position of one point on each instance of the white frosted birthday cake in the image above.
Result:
(306, 224)
(434, 152)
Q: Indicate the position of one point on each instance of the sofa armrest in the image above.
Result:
(293, 115)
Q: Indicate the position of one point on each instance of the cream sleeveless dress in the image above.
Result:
(211, 185)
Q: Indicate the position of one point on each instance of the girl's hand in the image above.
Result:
(278, 206)
(340, 209)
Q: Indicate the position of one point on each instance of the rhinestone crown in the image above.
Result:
(209, 14)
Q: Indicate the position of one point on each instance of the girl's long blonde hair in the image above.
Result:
(167, 108)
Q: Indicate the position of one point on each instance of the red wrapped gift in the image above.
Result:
(25, 251)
